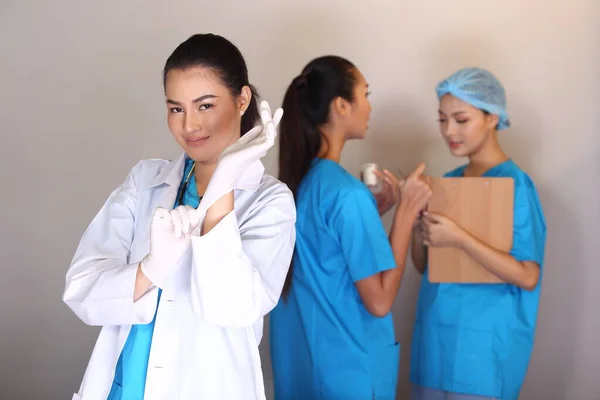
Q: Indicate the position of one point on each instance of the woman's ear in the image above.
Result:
(340, 107)
(492, 121)
(244, 99)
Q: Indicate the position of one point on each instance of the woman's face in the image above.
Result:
(358, 121)
(202, 115)
(465, 128)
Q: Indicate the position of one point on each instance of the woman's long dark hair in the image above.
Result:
(306, 108)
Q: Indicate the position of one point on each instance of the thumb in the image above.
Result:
(418, 171)
(432, 217)
(277, 117)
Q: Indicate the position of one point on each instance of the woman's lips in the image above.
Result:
(196, 141)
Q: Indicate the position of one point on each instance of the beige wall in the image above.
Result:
(81, 102)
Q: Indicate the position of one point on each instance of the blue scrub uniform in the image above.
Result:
(477, 339)
(130, 374)
(324, 343)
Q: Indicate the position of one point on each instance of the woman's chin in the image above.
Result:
(200, 156)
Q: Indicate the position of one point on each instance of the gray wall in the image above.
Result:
(81, 101)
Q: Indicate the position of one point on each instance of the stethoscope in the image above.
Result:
(184, 187)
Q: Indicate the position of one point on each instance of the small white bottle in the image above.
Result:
(368, 176)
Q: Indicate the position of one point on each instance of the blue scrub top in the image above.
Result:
(324, 343)
(478, 338)
(130, 374)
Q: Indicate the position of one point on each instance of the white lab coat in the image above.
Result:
(210, 316)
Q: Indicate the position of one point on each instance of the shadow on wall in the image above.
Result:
(561, 285)
(560, 281)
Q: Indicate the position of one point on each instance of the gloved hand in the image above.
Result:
(169, 239)
(236, 158)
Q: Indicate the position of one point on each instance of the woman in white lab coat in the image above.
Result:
(186, 257)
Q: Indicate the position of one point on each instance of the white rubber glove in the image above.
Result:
(240, 155)
(169, 239)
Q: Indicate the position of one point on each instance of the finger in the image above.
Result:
(249, 136)
(423, 199)
(161, 214)
(252, 134)
(391, 176)
(185, 219)
(427, 219)
(388, 183)
(265, 112)
(271, 132)
(277, 117)
(176, 221)
(194, 216)
(432, 217)
(418, 171)
(162, 218)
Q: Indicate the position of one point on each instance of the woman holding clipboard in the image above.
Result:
(474, 341)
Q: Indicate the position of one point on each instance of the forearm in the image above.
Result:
(522, 274)
(234, 282)
(101, 294)
(142, 284)
(217, 212)
(400, 237)
(418, 252)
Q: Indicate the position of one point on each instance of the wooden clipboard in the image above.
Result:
(484, 207)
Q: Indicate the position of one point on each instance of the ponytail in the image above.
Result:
(299, 138)
(306, 104)
(299, 144)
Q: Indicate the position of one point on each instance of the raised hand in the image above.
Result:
(414, 191)
(234, 160)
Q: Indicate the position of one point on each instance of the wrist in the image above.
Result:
(219, 210)
(464, 240)
(406, 213)
(404, 219)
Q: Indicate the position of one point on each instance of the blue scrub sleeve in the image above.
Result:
(529, 231)
(364, 243)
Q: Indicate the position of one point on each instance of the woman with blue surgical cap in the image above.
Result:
(474, 341)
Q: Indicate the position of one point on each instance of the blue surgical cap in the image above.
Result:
(478, 88)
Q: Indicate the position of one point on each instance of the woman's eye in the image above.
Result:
(368, 94)
(205, 106)
(441, 120)
(462, 121)
(175, 110)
